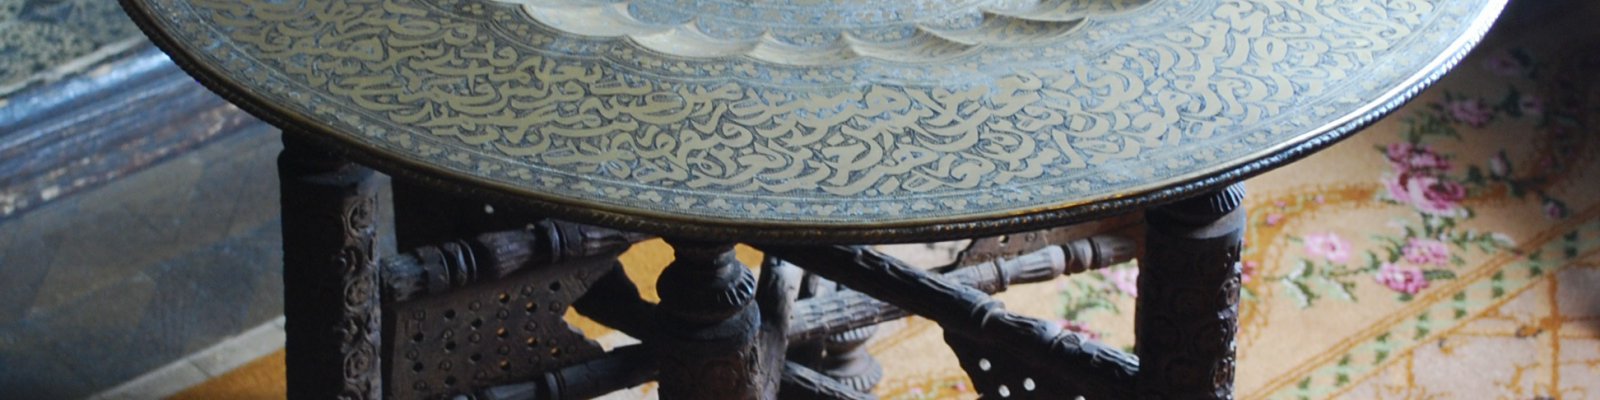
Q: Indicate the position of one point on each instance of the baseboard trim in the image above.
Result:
(201, 366)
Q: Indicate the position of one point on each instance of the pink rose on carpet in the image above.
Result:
(1124, 279)
(1328, 245)
(1554, 209)
(1470, 111)
(1428, 194)
(1395, 186)
(1247, 268)
(1397, 152)
(1406, 280)
(1273, 218)
(1406, 158)
(1426, 251)
(1427, 160)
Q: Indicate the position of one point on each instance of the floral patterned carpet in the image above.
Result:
(1447, 252)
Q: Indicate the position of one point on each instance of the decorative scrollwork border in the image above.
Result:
(910, 230)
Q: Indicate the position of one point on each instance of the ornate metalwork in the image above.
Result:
(330, 278)
(868, 146)
(1189, 297)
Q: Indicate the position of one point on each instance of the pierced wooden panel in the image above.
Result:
(494, 333)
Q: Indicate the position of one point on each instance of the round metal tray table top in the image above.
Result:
(827, 119)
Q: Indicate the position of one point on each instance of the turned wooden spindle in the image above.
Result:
(838, 311)
(434, 269)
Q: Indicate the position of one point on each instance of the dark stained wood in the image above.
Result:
(801, 383)
(330, 275)
(776, 290)
(837, 355)
(846, 359)
(1093, 369)
(708, 343)
(494, 332)
(1016, 244)
(494, 255)
(1189, 297)
(841, 310)
(622, 368)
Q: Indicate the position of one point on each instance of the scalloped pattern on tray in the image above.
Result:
(801, 32)
(1135, 96)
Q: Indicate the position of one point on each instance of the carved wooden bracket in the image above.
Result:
(1091, 368)
(725, 295)
(843, 310)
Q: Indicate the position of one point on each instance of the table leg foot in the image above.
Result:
(1189, 297)
(849, 362)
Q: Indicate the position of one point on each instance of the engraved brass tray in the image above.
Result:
(821, 120)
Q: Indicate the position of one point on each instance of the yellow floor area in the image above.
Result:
(261, 379)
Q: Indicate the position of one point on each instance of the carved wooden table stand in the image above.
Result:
(803, 128)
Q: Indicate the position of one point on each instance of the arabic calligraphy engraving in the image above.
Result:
(1135, 93)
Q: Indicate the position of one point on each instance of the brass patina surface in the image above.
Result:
(822, 119)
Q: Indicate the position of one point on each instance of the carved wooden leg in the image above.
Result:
(1189, 297)
(330, 280)
(709, 347)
